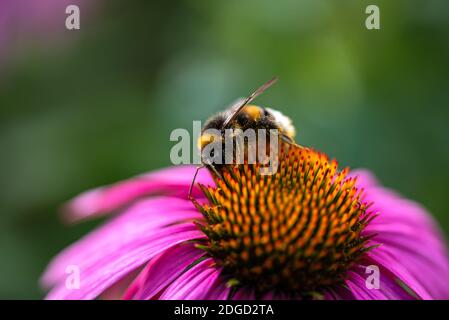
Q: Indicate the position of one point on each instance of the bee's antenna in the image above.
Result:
(239, 107)
(193, 181)
(196, 173)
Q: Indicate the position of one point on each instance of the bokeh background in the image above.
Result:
(89, 107)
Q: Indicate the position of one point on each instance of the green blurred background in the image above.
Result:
(89, 107)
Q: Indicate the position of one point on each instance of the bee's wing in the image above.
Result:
(235, 109)
(234, 106)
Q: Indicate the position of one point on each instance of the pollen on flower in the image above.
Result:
(296, 231)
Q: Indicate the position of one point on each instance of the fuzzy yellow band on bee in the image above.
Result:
(206, 138)
(254, 112)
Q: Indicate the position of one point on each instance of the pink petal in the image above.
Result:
(412, 246)
(103, 272)
(339, 293)
(123, 244)
(365, 178)
(202, 282)
(174, 181)
(163, 270)
(244, 294)
(219, 290)
(401, 271)
(388, 290)
(116, 290)
(136, 224)
(389, 287)
(357, 286)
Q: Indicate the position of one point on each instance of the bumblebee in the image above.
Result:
(242, 115)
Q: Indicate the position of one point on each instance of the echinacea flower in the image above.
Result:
(308, 231)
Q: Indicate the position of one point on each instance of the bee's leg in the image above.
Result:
(214, 170)
(193, 181)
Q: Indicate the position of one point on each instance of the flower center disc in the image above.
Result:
(296, 231)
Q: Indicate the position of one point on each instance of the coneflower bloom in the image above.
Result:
(310, 231)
